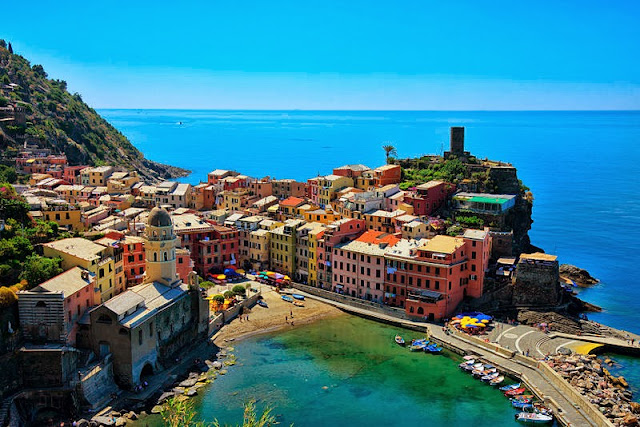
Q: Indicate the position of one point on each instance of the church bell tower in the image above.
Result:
(160, 248)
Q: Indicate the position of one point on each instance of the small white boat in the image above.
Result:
(490, 377)
(469, 357)
(478, 366)
(497, 380)
(533, 418)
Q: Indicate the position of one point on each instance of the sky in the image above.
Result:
(337, 55)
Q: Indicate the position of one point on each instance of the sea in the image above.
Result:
(583, 168)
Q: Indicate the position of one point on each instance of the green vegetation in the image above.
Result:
(451, 170)
(64, 123)
(218, 298)
(470, 221)
(176, 413)
(7, 173)
(228, 295)
(207, 284)
(239, 290)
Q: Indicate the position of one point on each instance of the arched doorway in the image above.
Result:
(147, 371)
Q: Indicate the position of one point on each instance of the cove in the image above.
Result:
(349, 371)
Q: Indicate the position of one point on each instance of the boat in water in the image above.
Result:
(490, 377)
(399, 340)
(510, 387)
(533, 418)
(465, 365)
(262, 303)
(519, 404)
(298, 297)
(433, 349)
(287, 298)
(497, 380)
(418, 345)
(515, 391)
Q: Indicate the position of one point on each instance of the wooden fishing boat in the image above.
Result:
(521, 405)
(533, 418)
(287, 298)
(298, 304)
(515, 391)
(399, 340)
(262, 303)
(433, 349)
(497, 380)
(510, 387)
(489, 377)
(418, 345)
(298, 297)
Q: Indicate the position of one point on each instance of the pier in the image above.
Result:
(569, 406)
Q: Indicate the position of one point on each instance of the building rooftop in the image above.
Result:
(538, 256)
(443, 244)
(292, 202)
(470, 233)
(406, 247)
(429, 185)
(484, 197)
(77, 247)
(68, 282)
(190, 222)
(355, 168)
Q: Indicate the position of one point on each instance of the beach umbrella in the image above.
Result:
(240, 271)
(221, 277)
(270, 273)
(287, 278)
(485, 320)
(279, 276)
(279, 280)
(229, 271)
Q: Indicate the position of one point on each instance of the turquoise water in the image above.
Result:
(349, 371)
(582, 167)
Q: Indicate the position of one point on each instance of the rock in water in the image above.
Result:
(578, 275)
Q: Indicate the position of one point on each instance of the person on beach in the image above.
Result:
(286, 319)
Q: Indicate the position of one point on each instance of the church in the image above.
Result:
(145, 327)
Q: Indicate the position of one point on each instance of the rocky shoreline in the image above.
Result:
(608, 393)
(579, 275)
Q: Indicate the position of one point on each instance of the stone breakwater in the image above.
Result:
(608, 393)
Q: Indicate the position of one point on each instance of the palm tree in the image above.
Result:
(389, 151)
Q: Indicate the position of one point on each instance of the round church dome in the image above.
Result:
(159, 217)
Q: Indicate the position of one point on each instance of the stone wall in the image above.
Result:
(47, 367)
(536, 284)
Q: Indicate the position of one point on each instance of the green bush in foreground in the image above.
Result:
(181, 414)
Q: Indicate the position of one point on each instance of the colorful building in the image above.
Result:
(282, 247)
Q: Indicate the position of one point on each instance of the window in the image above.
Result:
(420, 310)
(151, 329)
(473, 267)
(437, 285)
(140, 337)
(473, 255)
(101, 273)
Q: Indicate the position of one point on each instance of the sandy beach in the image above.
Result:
(262, 320)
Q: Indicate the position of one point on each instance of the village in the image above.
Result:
(147, 261)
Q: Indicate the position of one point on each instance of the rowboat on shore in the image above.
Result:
(298, 304)
(287, 298)
(497, 380)
(510, 387)
(490, 377)
(533, 418)
(262, 303)
(399, 340)
(298, 297)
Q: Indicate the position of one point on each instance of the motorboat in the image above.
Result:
(399, 340)
(520, 404)
(533, 418)
(418, 345)
(433, 349)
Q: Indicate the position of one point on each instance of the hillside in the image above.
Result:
(63, 122)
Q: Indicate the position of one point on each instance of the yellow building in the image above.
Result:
(121, 182)
(64, 214)
(328, 187)
(97, 176)
(98, 259)
(315, 236)
(323, 216)
(305, 252)
(282, 247)
(259, 249)
(70, 193)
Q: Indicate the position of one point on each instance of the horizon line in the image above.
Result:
(366, 110)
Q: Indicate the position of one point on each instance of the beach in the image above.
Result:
(276, 316)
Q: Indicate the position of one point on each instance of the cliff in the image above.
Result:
(41, 111)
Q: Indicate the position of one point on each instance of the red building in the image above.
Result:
(184, 264)
(336, 233)
(71, 173)
(429, 278)
(133, 256)
(429, 197)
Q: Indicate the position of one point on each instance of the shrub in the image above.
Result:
(228, 295)
(218, 298)
(207, 284)
(239, 290)
(7, 297)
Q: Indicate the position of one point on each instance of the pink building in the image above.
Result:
(184, 264)
(336, 233)
(479, 249)
(359, 265)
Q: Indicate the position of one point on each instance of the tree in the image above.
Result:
(228, 295)
(207, 284)
(7, 173)
(239, 290)
(7, 297)
(218, 298)
(389, 151)
(10, 48)
(38, 269)
(3, 43)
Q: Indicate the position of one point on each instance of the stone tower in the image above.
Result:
(456, 143)
(160, 248)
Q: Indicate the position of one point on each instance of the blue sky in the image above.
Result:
(382, 55)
